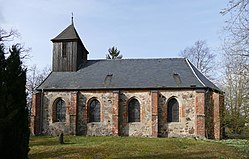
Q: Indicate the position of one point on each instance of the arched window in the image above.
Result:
(60, 111)
(133, 111)
(94, 111)
(173, 111)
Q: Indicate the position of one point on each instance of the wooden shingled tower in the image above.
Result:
(68, 51)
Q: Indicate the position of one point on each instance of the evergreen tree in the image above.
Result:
(114, 53)
(14, 134)
(2, 96)
(2, 67)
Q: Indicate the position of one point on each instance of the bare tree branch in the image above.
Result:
(199, 54)
(237, 28)
(8, 35)
(34, 78)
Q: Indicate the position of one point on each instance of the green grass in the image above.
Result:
(45, 147)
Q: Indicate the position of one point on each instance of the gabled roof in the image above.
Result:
(130, 74)
(69, 33)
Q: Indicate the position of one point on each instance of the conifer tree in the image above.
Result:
(114, 53)
(2, 67)
(14, 136)
(2, 94)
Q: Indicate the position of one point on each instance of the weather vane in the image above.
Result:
(72, 18)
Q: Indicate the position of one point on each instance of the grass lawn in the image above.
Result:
(45, 147)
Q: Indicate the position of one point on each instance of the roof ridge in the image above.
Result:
(188, 62)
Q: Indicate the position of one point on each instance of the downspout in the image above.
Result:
(41, 113)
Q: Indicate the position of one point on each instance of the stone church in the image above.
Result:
(164, 97)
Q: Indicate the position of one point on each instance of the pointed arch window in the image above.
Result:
(133, 110)
(60, 111)
(173, 110)
(94, 111)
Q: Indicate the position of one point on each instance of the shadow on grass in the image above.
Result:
(65, 152)
(62, 153)
(48, 142)
(101, 154)
(192, 155)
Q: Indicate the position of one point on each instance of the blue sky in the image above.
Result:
(138, 28)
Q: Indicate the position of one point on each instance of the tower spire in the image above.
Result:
(72, 18)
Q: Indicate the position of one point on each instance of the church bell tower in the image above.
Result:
(68, 51)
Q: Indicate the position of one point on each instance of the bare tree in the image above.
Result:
(236, 86)
(113, 53)
(236, 57)
(34, 78)
(236, 28)
(8, 35)
(199, 54)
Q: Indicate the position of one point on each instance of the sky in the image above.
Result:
(138, 28)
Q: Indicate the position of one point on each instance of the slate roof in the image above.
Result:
(69, 33)
(130, 74)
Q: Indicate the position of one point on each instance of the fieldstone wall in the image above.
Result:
(81, 125)
(142, 128)
(115, 114)
(102, 128)
(199, 113)
(78, 124)
(186, 125)
(55, 128)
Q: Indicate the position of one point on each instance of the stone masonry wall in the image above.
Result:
(79, 125)
(102, 128)
(114, 113)
(186, 125)
(114, 119)
(142, 128)
(55, 128)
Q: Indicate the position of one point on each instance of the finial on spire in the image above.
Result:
(72, 18)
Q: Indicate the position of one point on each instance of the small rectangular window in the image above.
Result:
(64, 50)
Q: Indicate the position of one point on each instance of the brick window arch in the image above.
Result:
(173, 110)
(59, 110)
(133, 110)
(94, 111)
